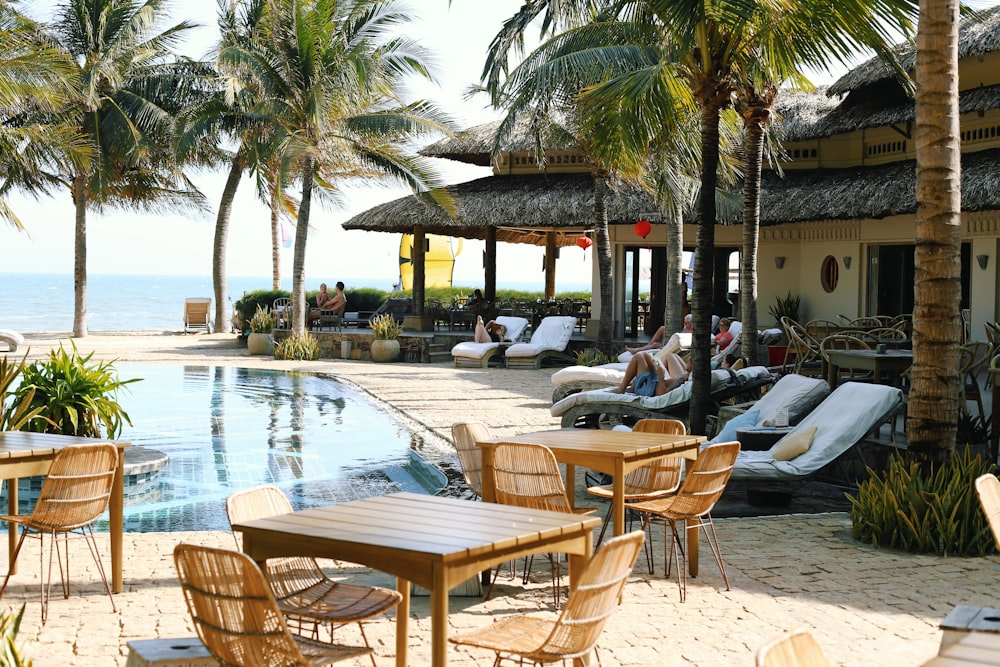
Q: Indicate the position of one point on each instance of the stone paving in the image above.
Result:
(865, 606)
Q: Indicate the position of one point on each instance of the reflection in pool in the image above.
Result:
(231, 428)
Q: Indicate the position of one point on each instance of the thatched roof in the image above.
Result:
(869, 192)
(475, 145)
(802, 116)
(521, 208)
(978, 34)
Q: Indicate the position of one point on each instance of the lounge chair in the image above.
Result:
(11, 338)
(841, 421)
(794, 395)
(468, 353)
(198, 314)
(598, 407)
(548, 341)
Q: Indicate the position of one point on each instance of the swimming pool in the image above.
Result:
(227, 428)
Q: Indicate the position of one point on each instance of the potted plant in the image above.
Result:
(259, 341)
(385, 331)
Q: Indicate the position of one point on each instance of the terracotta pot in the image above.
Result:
(385, 350)
(260, 343)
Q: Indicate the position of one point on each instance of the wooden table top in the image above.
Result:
(430, 526)
(625, 443)
(22, 444)
(870, 354)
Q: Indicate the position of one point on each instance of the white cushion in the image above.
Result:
(514, 325)
(798, 393)
(471, 350)
(553, 333)
(610, 373)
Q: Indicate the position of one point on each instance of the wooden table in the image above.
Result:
(975, 649)
(891, 363)
(613, 452)
(433, 542)
(24, 454)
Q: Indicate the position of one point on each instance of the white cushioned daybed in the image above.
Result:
(548, 340)
(469, 353)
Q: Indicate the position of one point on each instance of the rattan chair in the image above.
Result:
(802, 347)
(972, 361)
(988, 489)
(703, 484)
(282, 311)
(303, 591)
(655, 479)
(236, 616)
(526, 475)
(794, 649)
(75, 493)
(844, 342)
(470, 457)
(575, 632)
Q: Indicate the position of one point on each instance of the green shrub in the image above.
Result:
(787, 306)
(75, 396)
(262, 321)
(914, 510)
(248, 304)
(10, 623)
(297, 348)
(385, 327)
(15, 414)
(592, 357)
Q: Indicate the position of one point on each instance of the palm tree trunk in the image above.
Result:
(221, 236)
(604, 330)
(933, 409)
(673, 309)
(701, 309)
(753, 150)
(80, 257)
(275, 237)
(299, 259)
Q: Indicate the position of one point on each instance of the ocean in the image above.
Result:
(32, 302)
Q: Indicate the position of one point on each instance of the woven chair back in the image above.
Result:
(988, 488)
(842, 342)
(795, 649)
(705, 481)
(882, 334)
(662, 474)
(77, 487)
(528, 476)
(591, 603)
(470, 458)
(234, 612)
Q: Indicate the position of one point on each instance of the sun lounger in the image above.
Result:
(842, 420)
(11, 338)
(548, 341)
(599, 407)
(573, 379)
(468, 353)
(795, 395)
(198, 314)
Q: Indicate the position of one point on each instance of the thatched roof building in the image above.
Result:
(475, 145)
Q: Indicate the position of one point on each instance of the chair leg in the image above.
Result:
(17, 551)
(604, 527)
(89, 536)
(708, 526)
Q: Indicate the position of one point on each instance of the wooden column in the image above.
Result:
(550, 264)
(490, 264)
(417, 257)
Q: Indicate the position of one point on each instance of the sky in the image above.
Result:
(457, 33)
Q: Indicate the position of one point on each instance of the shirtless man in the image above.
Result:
(653, 374)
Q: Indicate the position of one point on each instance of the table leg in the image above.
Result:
(489, 487)
(691, 525)
(618, 499)
(439, 619)
(571, 484)
(832, 373)
(12, 531)
(402, 621)
(117, 523)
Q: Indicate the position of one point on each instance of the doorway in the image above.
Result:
(890, 278)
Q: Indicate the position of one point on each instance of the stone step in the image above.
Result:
(439, 356)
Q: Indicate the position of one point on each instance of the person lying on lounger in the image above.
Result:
(489, 332)
(653, 374)
(673, 344)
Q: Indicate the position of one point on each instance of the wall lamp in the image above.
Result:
(779, 262)
(983, 260)
(847, 261)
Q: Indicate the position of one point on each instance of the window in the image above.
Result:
(829, 273)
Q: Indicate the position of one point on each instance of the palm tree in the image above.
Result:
(932, 413)
(329, 76)
(127, 85)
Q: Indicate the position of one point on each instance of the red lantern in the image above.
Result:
(584, 242)
(643, 228)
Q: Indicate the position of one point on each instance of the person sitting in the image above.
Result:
(723, 339)
(492, 331)
(477, 297)
(675, 343)
(653, 374)
(329, 304)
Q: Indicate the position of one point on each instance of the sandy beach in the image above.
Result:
(864, 605)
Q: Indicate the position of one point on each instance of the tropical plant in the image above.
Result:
(327, 76)
(937, 328)
(126, 86)
(10, 624)
(933, 510)
(786, 306)
(297, 347)
(14, 414)
(262, 321)
(74, 396)
(384, 327)
(592, 357)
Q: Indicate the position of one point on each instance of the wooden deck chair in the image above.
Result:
(236, 616)
(793, 649)
(548, 341)
(574, 634)
(198, 314)
(304, 593)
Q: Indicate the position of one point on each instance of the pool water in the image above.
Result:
(226, 428)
